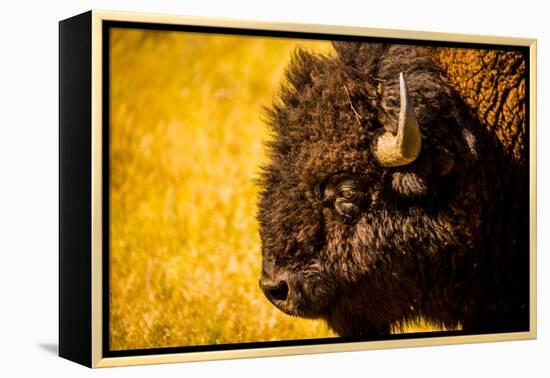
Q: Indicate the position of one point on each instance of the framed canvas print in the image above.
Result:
(235, 189)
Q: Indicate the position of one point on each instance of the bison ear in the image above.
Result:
(409, 184)
(358, 55)
(416, 182)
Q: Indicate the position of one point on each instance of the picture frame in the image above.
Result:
(86, 271)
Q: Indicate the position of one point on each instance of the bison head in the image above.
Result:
(371, 184)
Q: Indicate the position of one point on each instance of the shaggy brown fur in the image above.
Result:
(493, 84)
(367, 247)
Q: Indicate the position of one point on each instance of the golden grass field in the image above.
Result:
(186, 142)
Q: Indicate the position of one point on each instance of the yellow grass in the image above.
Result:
(186, 143)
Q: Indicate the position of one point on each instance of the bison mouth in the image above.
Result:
(291, 295)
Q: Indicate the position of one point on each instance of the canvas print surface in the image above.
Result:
(275, 189)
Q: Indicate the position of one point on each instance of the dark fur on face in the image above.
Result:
(366, 247)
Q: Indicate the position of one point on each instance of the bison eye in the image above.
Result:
(347, 192)
(347, 199)
(345, 195)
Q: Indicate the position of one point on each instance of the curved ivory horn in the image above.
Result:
(401, 149)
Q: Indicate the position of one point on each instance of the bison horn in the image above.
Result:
(401, 149)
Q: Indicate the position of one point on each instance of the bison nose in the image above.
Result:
(274, 290)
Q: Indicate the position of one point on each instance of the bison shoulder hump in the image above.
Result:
(492, 84)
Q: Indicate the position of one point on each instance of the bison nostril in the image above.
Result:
(278, 292)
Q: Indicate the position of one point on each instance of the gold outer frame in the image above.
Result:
(97, 254)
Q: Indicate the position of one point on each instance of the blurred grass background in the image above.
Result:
(186, 141)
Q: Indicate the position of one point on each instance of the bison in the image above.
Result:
(397, 189)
